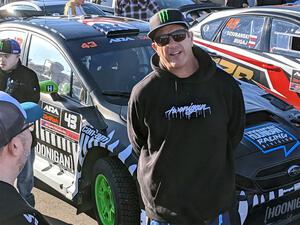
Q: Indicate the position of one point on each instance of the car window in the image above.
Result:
(119, 70)
(49, 64)
(90, 9)
(19, 36)
(22, 7)
(245, 32)
(54, 9)
(283, 39)
(209, 29)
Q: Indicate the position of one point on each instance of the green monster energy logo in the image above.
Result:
(163, 16)
(1, 45)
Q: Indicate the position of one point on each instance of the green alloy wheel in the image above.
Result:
(115, 195)
(104, 201)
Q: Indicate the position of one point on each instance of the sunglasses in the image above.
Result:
(177, 35)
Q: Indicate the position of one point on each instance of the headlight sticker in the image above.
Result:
(270, 137)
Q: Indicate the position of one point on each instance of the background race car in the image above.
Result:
(260, 45)
(83, 151)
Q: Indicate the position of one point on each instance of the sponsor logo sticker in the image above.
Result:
(270, 137)
(295, 81)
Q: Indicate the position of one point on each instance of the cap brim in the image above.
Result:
(33, 111)
(152, 32)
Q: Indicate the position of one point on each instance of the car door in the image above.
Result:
(58, 131)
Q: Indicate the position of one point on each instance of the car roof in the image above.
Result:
(37, 3)
(286, 9)
(81, 27)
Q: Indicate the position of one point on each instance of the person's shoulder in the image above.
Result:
(145, 86)
(27, 219)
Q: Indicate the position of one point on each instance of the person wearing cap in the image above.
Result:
(237, 3)
(184, 120)
(137, 9)
(15, 147)
(74, 8)
(21, 83)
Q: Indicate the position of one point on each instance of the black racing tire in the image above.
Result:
(117, 201)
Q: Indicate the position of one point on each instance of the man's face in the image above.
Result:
(175, 54)
(8, 61)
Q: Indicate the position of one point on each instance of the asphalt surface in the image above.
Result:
(59, 212)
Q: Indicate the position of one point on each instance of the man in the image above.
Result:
(138, 9)
(237, 3)
(74, 8)
(15, 148)
(184, 120)
(21, 83)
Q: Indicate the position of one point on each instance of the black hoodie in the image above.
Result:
(14, 210)
(185, 130)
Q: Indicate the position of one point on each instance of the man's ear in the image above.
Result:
(191, 35)
(14, 147)
(154, 46)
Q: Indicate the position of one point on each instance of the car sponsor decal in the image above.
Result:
(242, 39)
(295, 81)
(89, 44)
(90, 138)
(58, 136)
(235, 70)
(232, 23)
(278, 209)
(270, 137)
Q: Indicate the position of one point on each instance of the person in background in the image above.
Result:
(15, 147)
(74, 8)
(270, 2)
(21, 83)
(186, 145)
(237, 3)
(138, 9)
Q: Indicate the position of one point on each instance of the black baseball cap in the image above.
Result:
(13, 116)
(9, 46)
(166, 17)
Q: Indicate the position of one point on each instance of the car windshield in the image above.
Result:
(117, 67)
(173, 3)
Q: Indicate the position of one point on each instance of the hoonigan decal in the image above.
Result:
(270, 137)
(57, 136)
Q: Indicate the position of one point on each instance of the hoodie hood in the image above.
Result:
(207, 67)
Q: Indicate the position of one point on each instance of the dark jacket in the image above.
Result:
(14, 210)
(186, 130)
(236, 3)
(270, 2)
(21, 83)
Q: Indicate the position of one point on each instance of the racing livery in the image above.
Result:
(83, 151)
(258, 44)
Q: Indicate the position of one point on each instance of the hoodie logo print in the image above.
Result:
(187, 111)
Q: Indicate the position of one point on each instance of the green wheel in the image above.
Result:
(115, 195)
(104, 200)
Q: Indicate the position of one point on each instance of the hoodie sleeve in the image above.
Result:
(237, 117)
(137, 131)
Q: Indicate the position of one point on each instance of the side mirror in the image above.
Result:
(48, 87)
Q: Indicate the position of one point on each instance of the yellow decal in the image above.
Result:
(235, 70)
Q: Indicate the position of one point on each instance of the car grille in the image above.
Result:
(276, 177)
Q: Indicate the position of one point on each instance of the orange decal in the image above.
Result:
(232, 23)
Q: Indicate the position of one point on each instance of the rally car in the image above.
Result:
(259, 44)
(87, 67)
